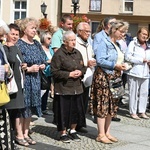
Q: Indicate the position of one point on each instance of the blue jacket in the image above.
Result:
(98, 38)
(47, 70)
(106, 55)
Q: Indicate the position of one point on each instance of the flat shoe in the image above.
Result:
(21, 142)
(103, 140)
(30, 140)
(143, 116)
(135, 117)
(111, 138)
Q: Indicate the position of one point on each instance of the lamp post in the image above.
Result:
(43, 9)
(75, 6)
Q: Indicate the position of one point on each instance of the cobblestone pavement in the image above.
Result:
(47, 137)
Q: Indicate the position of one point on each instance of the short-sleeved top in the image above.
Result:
(32, 54)
(57, 38)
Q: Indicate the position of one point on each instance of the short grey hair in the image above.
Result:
(81, 25)
(67, 34)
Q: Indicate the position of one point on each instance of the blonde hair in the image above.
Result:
(118, 24)
(24, 23)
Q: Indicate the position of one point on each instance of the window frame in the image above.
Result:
(95, 10)
(20, 10)
(126, 1)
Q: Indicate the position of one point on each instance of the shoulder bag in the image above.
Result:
(45, 84)
(116, 87)
(4, 96)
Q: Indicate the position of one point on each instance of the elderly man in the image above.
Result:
(83, 33)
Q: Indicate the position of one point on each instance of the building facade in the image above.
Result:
(136, 12)
(11, 10)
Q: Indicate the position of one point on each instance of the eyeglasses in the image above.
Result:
(49, 38)
(86, 31)
(121, 31)
(112, 23)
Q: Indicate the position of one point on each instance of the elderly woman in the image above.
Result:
(109, 66)
(35, 58)
(45, 39)
(5, 132)
(68, 70)
(138, 76)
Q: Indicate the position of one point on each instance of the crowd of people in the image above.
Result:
(66, 58)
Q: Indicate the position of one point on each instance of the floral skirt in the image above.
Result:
(102, 103)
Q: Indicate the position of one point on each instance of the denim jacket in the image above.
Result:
(98, 38)
(106, 55)
(135, 54)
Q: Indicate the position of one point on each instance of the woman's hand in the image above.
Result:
(120, 67)
(42, 67)
(75, 74)
(7, 69)
(24, 66)
(33, 68)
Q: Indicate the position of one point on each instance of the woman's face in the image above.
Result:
(30, 30)
(120, 33)
(143, 36)
(13, 36)
(47, 40)
(70, 42)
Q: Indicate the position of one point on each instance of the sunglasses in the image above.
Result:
(49, 38)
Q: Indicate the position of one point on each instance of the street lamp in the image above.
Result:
(43, 9)
(75, 6)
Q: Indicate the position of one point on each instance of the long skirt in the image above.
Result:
(101, 100)
(70, 110)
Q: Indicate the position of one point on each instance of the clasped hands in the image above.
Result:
(36, 68)
(75, 74)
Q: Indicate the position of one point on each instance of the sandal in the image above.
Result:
(30, 140)
(103, 139)
(22, 142)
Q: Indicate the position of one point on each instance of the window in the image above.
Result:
(20, 9)
(128, 6)
(94, 25)
(95, 5)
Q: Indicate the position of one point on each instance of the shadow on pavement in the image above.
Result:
(48, 131)
(42, 146)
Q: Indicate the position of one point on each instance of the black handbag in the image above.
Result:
(116, 87)
(45, 83)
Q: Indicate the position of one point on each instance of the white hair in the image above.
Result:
(4, 26)
(67, 34)
(81, 25)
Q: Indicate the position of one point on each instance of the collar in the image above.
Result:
(81, 42)
(66, 51)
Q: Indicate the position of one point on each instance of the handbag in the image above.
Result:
(4, 96)
(45, 83)
(12, 86)
(88, 77)
(116, 87)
